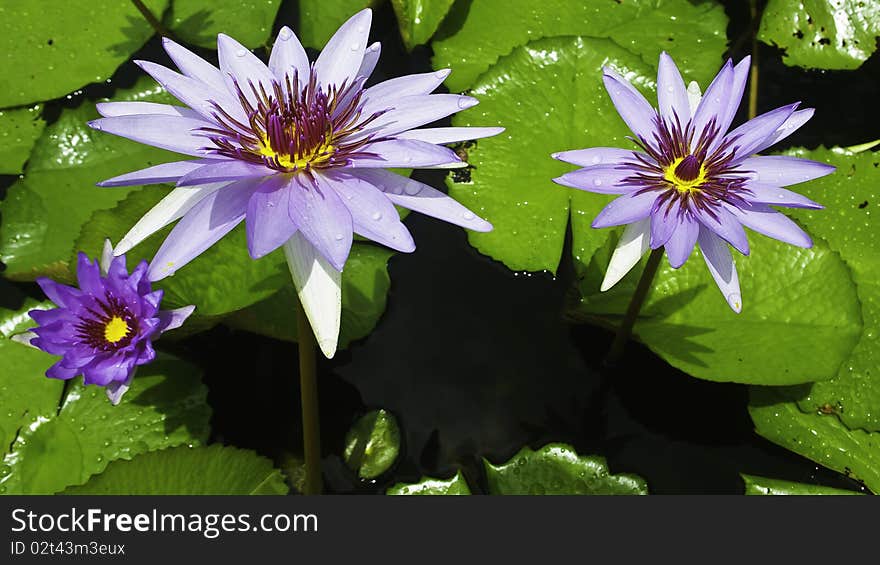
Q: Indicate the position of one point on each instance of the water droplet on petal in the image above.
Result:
(355, 46)
(285, 34)
(735, 301)
(597, 182)
(468, 215)
(412, 189)
(240, 53)
(465, 103)
(339, 237)
(597, 159)
(670, 88)
(377, 216)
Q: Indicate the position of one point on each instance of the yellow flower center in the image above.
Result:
(318, 156)
(680, 179)
(116, 329)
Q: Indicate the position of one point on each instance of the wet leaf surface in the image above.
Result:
(19, 130)
(775, 487)
(419, 19)
(198, 22)
(372, 444)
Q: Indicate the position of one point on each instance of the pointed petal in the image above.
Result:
(664, 221)
(755, 132)
(173, 319)
(289, 58)
(448, 135)
(625, 210)
(372, 213)
(371, 59)
(107, 256)
(268, 221)
(319, 287)
(727, 226)
(776, 196)
(672, 97)
(194, 93)
(765, 220)
(194, 66)
(721, 266)
(601, 179)
(220, 170)
(344, 53)
(638, 114)
(734, 98)
(715, 101)
(166, 172)
(384, 95)
(240, 66)
(405, 153)
(681, 242)
(598, 156)
(213, 217)
(780, 170)
(117, 389)
(422, 198)
(165, 132)
(630, 248)
(113, 109)
(694, 96)
(788, 127)
(413, 111)
(322, 218)
(177, 203)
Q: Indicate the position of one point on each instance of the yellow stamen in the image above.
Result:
(116, 329)
(318, 156)
(684, 185)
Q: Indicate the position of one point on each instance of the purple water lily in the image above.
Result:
(297, 151)
(104, 329)
(693, 182)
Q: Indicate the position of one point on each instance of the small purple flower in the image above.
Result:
(298, 151)
(104, 329)
(693, 181)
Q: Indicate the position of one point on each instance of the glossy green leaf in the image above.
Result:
(319, 19)
(557, 81)
(44, 211)
(214, 469)
(556, 468)
(198, 22)
(52, 48)
(365, 284)
(476, 34)
(419, 19)
(429, 486)
(54, 442)
(372, 444)
(764, 486)
(800, 317)
(851, 226)
(19, 130)
(817, 436)
(823, 34)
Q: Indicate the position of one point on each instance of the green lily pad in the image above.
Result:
(556, 468)
(372, 444)
(764, 486)
(474, 40)
(52, 48)
(429, 486)
(199, 22)
(557, 81)
(365, 285)
(57, 439)
(319, 19)
(19, 130)
(419, 19)
(817, 436)
(800, 317)
(851, 226)
(214, 469)
(44, 211)
(835, 34)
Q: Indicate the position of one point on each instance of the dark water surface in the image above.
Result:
(476, 361)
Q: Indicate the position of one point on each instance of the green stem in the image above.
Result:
(753, 70)
(308, 385)
(151, 19)
(624, 332)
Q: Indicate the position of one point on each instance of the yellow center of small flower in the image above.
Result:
(684, 175)
(116, 329)
(318, 156)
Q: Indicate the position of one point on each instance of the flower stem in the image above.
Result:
(753, 70)
(308, 386)
(624, 332)
(151, 19)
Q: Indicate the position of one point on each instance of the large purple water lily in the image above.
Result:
(104, 329)
(693, 182)
(295, 149)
